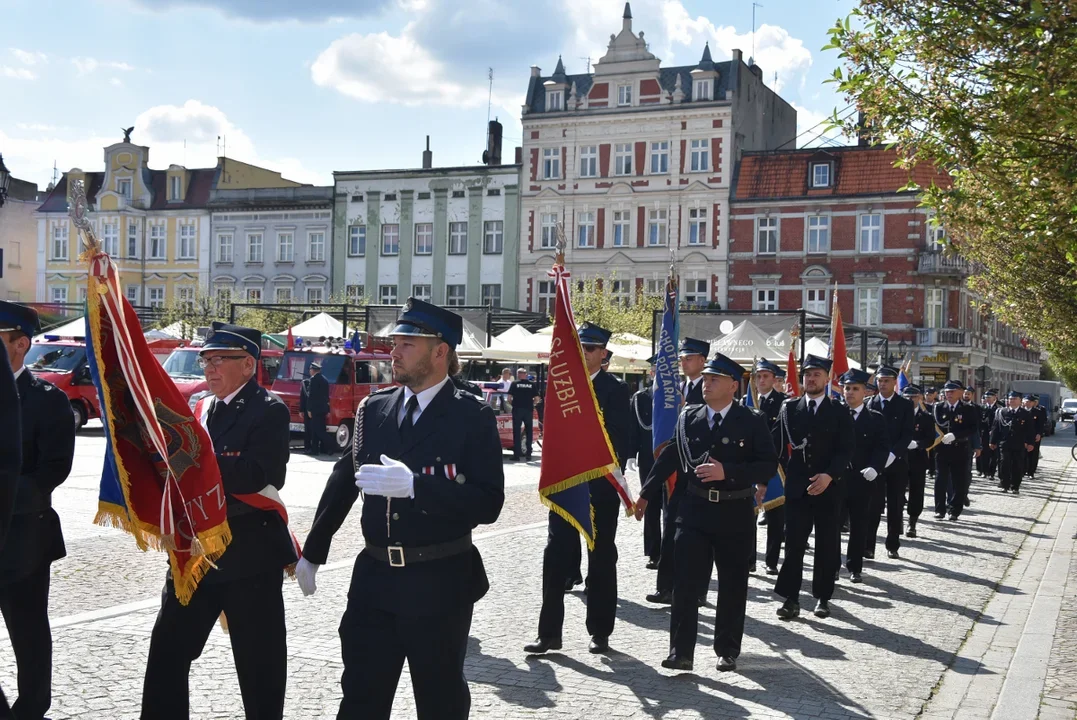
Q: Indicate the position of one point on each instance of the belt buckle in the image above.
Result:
(396, 556)
(713, 495)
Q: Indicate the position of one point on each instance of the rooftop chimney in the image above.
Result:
(428, 156)
(492, 155)
(519, 155)
(863, 136)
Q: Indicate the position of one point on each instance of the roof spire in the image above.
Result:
(705, 62)
(628, 11)
(626, 23)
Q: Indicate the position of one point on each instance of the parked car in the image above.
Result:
(1069, 408)
(63, 363)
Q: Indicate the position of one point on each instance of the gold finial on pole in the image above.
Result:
(78, 207)
(562, 243)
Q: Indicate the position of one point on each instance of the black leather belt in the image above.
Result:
(399, 556)
(715, 495)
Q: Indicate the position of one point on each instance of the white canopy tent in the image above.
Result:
(816, 346)
(630, 352)
(321, 325)
(744, 343)
(73, 329)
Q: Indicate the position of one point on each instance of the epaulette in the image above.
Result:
(790, 400)
(380, 391)
(754, 411)
(464, 393)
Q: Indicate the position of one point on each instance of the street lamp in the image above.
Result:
(5, 181)
(901, 348)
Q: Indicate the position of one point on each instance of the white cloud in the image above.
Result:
(17, 73)
(115, 81)
(86, 65)
(27, 57)
(811, 130)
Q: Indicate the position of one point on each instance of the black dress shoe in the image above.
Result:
(726, 664)
(855, 578)
(822, 610)
(869, 556)
(912, 531)
(570, 583)
(752, 569)
(939, 515)
(542, 645)
(599, 644)
(953, 516)
(1016, 491)
(662, 597)
(892, 554)
(789, 610)
(652, 564)
(772, 570)
(967, 502)
(677, 663)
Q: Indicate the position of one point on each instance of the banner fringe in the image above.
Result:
(567, 517)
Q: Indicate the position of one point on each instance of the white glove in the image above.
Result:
(305, 571)
(391, 479)
(890, 460)
(913, 444)
(948, 438)
(632, 464)
(869, 474)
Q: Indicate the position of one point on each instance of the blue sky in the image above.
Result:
(310, 87)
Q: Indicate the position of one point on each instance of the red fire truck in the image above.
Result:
(182, 367)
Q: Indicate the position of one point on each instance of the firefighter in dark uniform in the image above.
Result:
(693, 356)
(427, 457)
(524, 394)
(815, 442)
(957, 421)
(1039, 422)
(895, 477)
(249, 430)
(931, 396)
(770, 402)
(721, 453)
(1012, 435)
(923, 436)
(643, 449)
(34, 539)
(10, 462)
(318, 408)
(987, 462)
(562, 554)
(867, 470)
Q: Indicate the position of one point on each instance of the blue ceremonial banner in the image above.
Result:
(903, 378)
(666, 402)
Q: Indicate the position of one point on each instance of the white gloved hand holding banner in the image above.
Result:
(305, 571)
(948, 438)
(913, 444)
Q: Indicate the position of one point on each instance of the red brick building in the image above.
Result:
(803, 222)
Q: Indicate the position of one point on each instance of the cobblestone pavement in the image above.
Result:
(880, 655)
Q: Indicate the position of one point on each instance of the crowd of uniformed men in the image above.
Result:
(427, 460)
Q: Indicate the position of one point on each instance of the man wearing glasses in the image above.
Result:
(250, 434)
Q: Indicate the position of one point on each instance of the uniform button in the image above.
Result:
(396, 516)
(437, 459)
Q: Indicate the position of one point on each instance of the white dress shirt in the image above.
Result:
(424, 398)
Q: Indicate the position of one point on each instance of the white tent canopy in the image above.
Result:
(816, 346)
(73, 329)
(515, 334)
(745, 343)
(630, 352)
(321, 325)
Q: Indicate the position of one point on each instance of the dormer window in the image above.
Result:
(123, 187)
(701, 89)
(820, 175)
(624, 95)
(555, 100)
(175, 188)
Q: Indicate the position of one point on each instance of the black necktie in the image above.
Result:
(215, 413)
(811, 406)
(406, 423)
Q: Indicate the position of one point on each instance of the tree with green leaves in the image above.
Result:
(987, 91)
(592, 302)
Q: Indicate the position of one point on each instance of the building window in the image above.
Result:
(936, 238)
(544, 297)
(123, 187)
(421, 292)
(424, 196)
(186, 242)
(224, 248)
(354, 293)
(254, 295)
(458, 238)
(357, 241)
(657, 228)
(624, 95)
(695, 292)
(83, 293)
(815, 301)
(185, 298)
(493, 192)
(458, 193)
(621, 292)
(622, 163)
(316, 247)
(654, 287)
(933, 300)
(282, 295)
(871, 233)
(59, 242)
(157, 242)
(818, 234)
(589, 161)
(424, 239)
(132, 240)
(390, 197)
(867, 300)
(176, 185)
(697, 226)
(131, 293)
(390, 239)
(387, 294)
(59, 294)
(549, 231)
(254, 248)
(586, 232)
(555, 100)
(551, 163)
(156, 297)
(766, 236)
(285, 247)
(491, 296)
(455, 295)
(820, 175)
(766, 298)
(660, 157)
(622, 228)
(110, 239)
(493, 236)
(700, 155)
(701, 89)
(224, 297)
(314, 295)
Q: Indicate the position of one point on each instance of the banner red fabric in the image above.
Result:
(838, 355)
